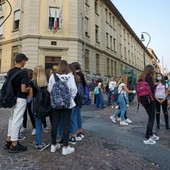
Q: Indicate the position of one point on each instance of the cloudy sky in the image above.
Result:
(151, 16)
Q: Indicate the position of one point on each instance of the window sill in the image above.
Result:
(15, 30)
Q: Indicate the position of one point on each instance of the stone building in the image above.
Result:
(91, 32)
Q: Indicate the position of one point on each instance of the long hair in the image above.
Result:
(163, 79)
(39, 76)
(149, 69)
(123, 79)
(63, 67)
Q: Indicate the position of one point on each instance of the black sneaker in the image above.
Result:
(72, 140)
(18, 148)
(43, 146)
(7, 144)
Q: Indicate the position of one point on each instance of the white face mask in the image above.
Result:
(159, 78)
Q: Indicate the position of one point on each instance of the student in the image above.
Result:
(161, 94)
(122, 90)
(147, 75)
(21, 90)
(112, 85)
(39, 80)
(66, 76)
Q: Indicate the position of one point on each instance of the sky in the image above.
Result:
(153, 17)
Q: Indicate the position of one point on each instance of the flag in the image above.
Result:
(61, 14)
(55, 21)
(50, 21)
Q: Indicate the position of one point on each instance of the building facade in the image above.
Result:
(91, 32)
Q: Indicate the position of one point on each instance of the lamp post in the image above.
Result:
(9, 12)
(143, 39)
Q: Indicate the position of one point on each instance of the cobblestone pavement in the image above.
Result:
(93, 153)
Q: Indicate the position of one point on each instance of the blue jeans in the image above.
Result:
(122, 106)
(99, 100)
(38, 123)
(109, 93)
(79, 117)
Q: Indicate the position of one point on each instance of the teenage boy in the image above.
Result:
(17, 111)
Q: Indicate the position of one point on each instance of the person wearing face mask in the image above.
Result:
(161, 94)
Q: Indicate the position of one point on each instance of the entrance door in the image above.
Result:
(52, 62)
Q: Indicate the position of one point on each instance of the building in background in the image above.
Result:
(91, 32)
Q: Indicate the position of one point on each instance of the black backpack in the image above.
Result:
(7, 97)
(41, 104)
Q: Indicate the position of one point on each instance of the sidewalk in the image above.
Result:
(92, 153)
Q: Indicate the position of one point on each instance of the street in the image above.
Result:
(105, 146)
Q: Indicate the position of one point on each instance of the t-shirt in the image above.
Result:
(112, 85)
(160, 91)
(120, 88)
(22, 78)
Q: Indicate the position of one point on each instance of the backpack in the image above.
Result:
(115, 94)
(81, 98)
(96, 90)
(7, 97)
(144, 93)
(41, 104)
(60, 95)
(86, 91)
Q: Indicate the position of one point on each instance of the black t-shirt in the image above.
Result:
(22, 78)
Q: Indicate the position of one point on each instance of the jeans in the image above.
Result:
(99, 100)
(38, 122)
(16, 119)
(31, 115)
(150, 110)
(79, 118)
(56, 114)
(74, 120)
(122, 107)
(109, 94)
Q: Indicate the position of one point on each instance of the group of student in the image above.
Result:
(66, 123)
(160, 91)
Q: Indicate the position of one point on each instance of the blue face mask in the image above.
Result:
(159, 78)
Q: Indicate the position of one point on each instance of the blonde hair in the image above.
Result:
(123, 79)
(39, 76)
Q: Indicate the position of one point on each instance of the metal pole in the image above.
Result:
(146, 47)
(8, 14)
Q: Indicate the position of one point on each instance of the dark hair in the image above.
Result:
(77, 65)
(149, 69)
(163, 79)
(30, 73)
(63, 67)
(21, 57)
(166, 77)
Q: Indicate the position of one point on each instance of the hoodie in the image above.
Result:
(70, 81)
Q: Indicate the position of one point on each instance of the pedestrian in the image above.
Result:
(112, 85)
(161, 94)
(91, 90)
(122, 90)
(39, 80)
(64, 74)
(28, 110)
(148, 76)
(21, 91)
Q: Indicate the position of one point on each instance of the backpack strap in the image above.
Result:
(14, 75)
(56, 77)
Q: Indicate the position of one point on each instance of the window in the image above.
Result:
(107, 40)
(96, 6)
(97, 33)
(114, 45)
(108, 66)
(106, 13)
(16, 20)
(86, 24)
(86, 60)
(111, 44)
(113, 22)
(125, 53)
(97, 64)
(112, 67)
(110, 18)
(2, 27)
(54, 18)
(14, 53)
(115, 63)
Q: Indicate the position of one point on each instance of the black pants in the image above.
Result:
(56, 114)
(31, 115)
(150, 110)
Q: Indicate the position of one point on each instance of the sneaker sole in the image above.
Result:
(16, 151)
(44, 147)
(74, 143)
(64, 154)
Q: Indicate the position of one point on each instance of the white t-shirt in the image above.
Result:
(112, 85)
(120, 88)
(160, 91)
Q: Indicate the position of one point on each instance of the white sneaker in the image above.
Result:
(78, 138)
(149, 141)
(128, 120)
(68, 150)
(154, 137)
(23, 130)
(33, 132)
(127, 105)
(46, 129)
(123, 123)
(117, 107)
(112, 106)
(113, 119)
(118, 119)
(82, 136)
(55, 147)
